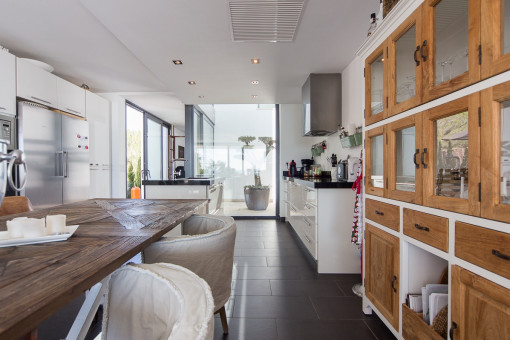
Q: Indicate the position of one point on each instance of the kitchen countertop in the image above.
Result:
(320, 183)
(184, 181)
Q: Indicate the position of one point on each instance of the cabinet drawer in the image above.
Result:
(383, 213)
(414, 328)
(484, 247)
(430, 229)
(309, 196)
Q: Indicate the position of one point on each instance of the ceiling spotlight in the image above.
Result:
(254, 82)
(177, 62)
(255, 61)
(201, 97)
(254, 96)
(192, 82)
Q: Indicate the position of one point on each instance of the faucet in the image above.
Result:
(172, 167)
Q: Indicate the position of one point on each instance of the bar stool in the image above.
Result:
(157, 301)
(207, 249)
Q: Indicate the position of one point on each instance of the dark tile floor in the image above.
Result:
(276, 293)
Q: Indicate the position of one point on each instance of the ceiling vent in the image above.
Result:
(264, 21)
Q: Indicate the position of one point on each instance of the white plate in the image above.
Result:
(40, 64)
(5, 241)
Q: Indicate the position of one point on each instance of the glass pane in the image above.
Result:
(165, 153)
(377, 161)
(134, 148)
(405, 147)
(451, 32)
(208, 143)
(505, 152)
(452, 156)
(405, 65)
(505, 34)
(376, 85)
(154, 149)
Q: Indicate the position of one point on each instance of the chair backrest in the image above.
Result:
(157, 301)
(15, 205)
(208, 252)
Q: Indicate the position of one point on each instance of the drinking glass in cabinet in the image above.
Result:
(505, 152)
(377, 83)
(405, 66)
(451, 173)
(405, 153)
(377, 143)
(451, 39)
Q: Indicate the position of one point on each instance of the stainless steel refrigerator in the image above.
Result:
(57, 156)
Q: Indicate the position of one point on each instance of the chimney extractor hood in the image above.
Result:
(322, 104)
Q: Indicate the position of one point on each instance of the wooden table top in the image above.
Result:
(37, 280)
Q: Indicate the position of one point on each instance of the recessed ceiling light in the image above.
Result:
(254, 96)
(255, 61)
(254, 82)
(201, 97)
(177, 62)
(192, 82)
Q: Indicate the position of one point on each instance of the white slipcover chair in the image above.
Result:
(157, 301)
(207, 249)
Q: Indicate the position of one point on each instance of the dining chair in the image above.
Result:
(157, 301)
(207, 249)
(15, 205)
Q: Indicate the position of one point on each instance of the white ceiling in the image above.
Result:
(127, 46)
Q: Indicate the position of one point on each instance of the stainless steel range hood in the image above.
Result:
(322, 104)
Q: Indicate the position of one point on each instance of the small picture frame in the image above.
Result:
(180, 151)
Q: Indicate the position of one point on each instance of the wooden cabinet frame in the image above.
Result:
(471, 205)
(369, 189)
(493, 59)
(369, 117)
(430, 90)
(391, 130)
(492, 207)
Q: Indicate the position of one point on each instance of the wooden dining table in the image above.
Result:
(37, 280)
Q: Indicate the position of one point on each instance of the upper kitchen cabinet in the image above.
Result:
(404, 61)
(98, 116)
(495, 37)
(495, 159)
(71, 98)
(36, 84)
(375, 161)
(450, 156)
(7, 83)
(450, 48)
(376, 97)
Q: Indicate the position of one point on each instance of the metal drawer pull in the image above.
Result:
(393, 283)
(41, 100)
(309, 241)
(501, 256)
(377, 212)
(417, 226)
(453, 328)
(3, 108)
(308, 222)
(414, 159)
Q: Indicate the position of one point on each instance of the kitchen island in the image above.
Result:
(37, 280)
(320, 211)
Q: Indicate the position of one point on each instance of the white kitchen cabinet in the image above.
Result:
(7, 83)
(98, 115)
(36, 84)
(70, 98)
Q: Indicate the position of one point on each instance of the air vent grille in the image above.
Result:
(265, 21)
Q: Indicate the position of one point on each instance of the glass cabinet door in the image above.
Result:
(451, 151)
(375, 161)
(376, 98)
(404, 163)
(450, 45)
(495, 158)
(495, 36)
(404, 65)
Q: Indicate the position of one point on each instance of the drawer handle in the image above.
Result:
(74, 111)
(501, 256)
(416, 59)
(3, 108)
(377, 212)
(393, 283)
(452, 329)
(422, 49)
(414, 159)
(309, 224)
(309, 241)
(417, 226)
(41, 100)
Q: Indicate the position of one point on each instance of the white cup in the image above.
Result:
(56, 223)
(33, 227)
(15, 228)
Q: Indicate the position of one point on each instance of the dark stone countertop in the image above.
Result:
(184, 181)
(320, 183)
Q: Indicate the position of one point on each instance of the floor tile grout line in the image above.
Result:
(370, 329)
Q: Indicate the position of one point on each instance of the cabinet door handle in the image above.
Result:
(415, 58)
(417, 226)
(308, 239)
(3, 108)
(414, 159)
(377, 212)
(309, 224)
(393, 283)
(423, 158)
(74, 111)
(422, 48)
(500, 255)
(452, 329)
(41, 100)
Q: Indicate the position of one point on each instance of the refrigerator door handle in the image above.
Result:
(59, 164)
(65, 163)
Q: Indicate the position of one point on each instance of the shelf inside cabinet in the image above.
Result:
(414, 328)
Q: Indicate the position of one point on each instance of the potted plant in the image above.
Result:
(246, 140)
(256, 196)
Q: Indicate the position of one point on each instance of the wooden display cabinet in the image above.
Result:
(376, 96)
(382, 262)
(495, 166)
(375, 161)
(495, 37)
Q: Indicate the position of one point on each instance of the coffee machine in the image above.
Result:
(305, 166)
